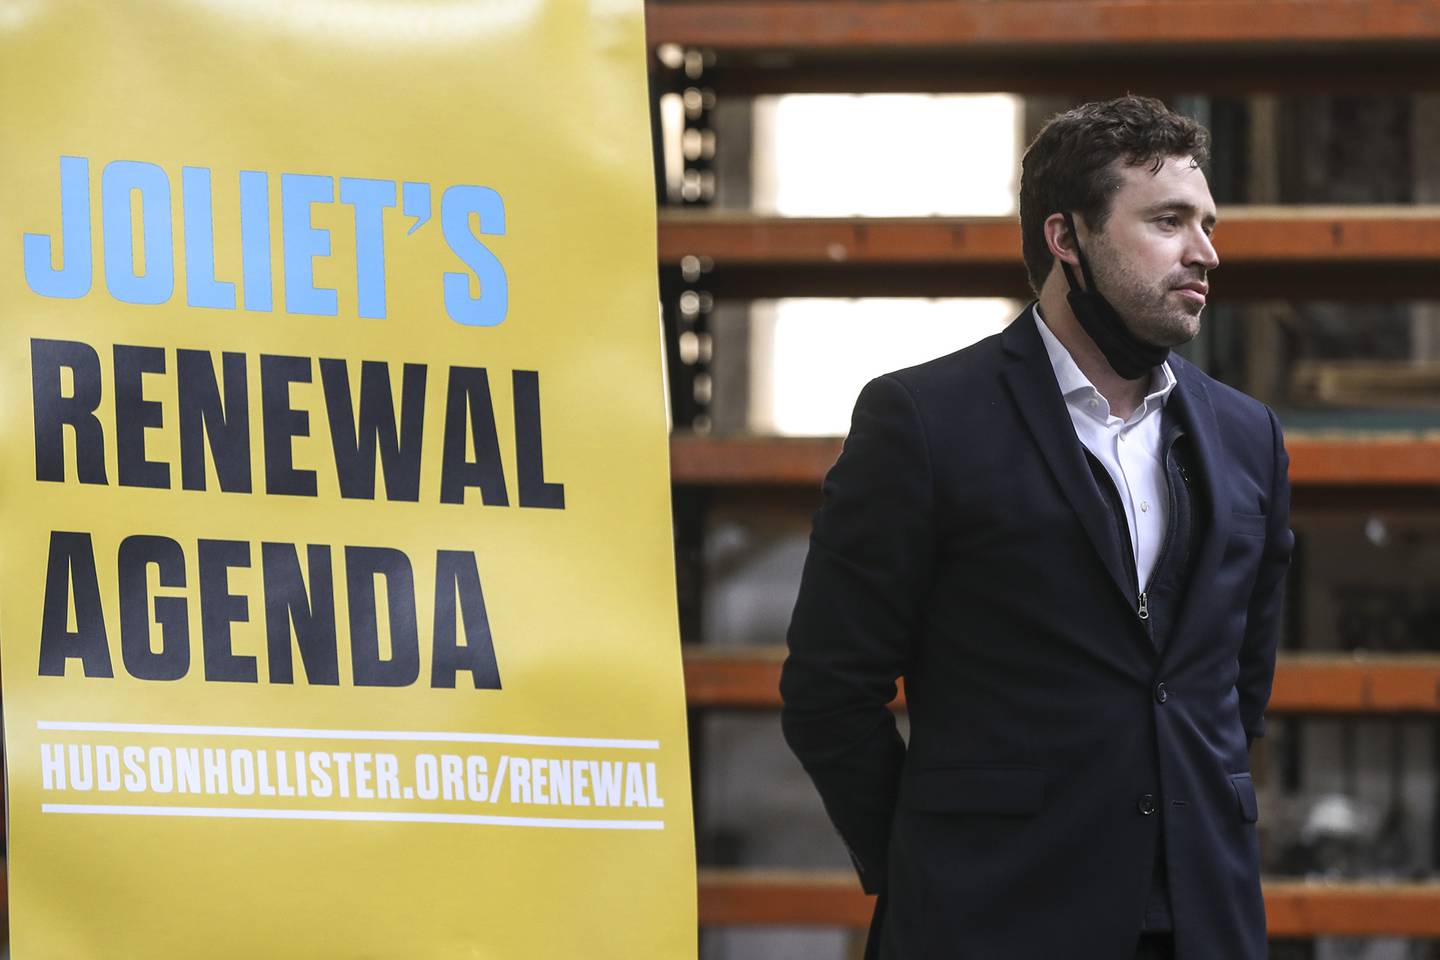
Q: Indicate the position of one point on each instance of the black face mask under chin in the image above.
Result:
(1129, 356)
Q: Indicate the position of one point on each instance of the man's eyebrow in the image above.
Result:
(1179, 206)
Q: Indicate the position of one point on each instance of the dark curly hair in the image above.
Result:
(1068, 166)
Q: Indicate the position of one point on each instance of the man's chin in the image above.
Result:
(1175, 330)
(1183, 333)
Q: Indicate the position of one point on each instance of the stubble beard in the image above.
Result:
(1152, 312)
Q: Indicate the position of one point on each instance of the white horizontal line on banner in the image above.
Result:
(305, 734)
(247, 813)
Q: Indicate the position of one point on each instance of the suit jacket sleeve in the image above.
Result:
(1262, 624)
(866, 579)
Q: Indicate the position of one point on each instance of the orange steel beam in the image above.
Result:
(1363, 462)
(784, 897)
(751, 461)
(1335, 683)
(729, 677)
(738, 678)
(1324, 252)
(1293, 908)
(1299, 909)
(802, 461)
(749, 678)
(985, 26)
(743, 239)
(1359, 461)
(1095, 73)
(1089, 47)
(1246, 234)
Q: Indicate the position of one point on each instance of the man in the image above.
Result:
(1072, 545)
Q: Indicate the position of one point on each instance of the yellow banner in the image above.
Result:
(337, 603)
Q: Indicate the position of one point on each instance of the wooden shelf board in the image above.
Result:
(1294, 908)
(749, 678)
(1315, 461)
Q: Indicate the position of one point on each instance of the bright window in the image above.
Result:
(871, 155)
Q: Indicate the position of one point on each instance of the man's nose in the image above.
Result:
(1202, 251)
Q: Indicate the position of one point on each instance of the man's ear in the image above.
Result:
(1061, 239)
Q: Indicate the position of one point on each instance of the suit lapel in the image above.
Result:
(1197, 416)
(1031, 381)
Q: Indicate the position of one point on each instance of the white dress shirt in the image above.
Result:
(1129, 449)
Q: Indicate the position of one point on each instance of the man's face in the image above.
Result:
(1152, 258)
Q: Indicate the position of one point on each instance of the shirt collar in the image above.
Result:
(1072, 381)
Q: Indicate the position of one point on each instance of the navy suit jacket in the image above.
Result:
(963, 545)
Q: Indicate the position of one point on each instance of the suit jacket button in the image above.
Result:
(1161, 694)
(1147, 803)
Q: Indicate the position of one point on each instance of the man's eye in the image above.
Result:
(1170, 221)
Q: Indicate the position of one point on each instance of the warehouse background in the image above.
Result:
(837, 185)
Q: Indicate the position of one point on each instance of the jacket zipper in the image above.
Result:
(1142, 608)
